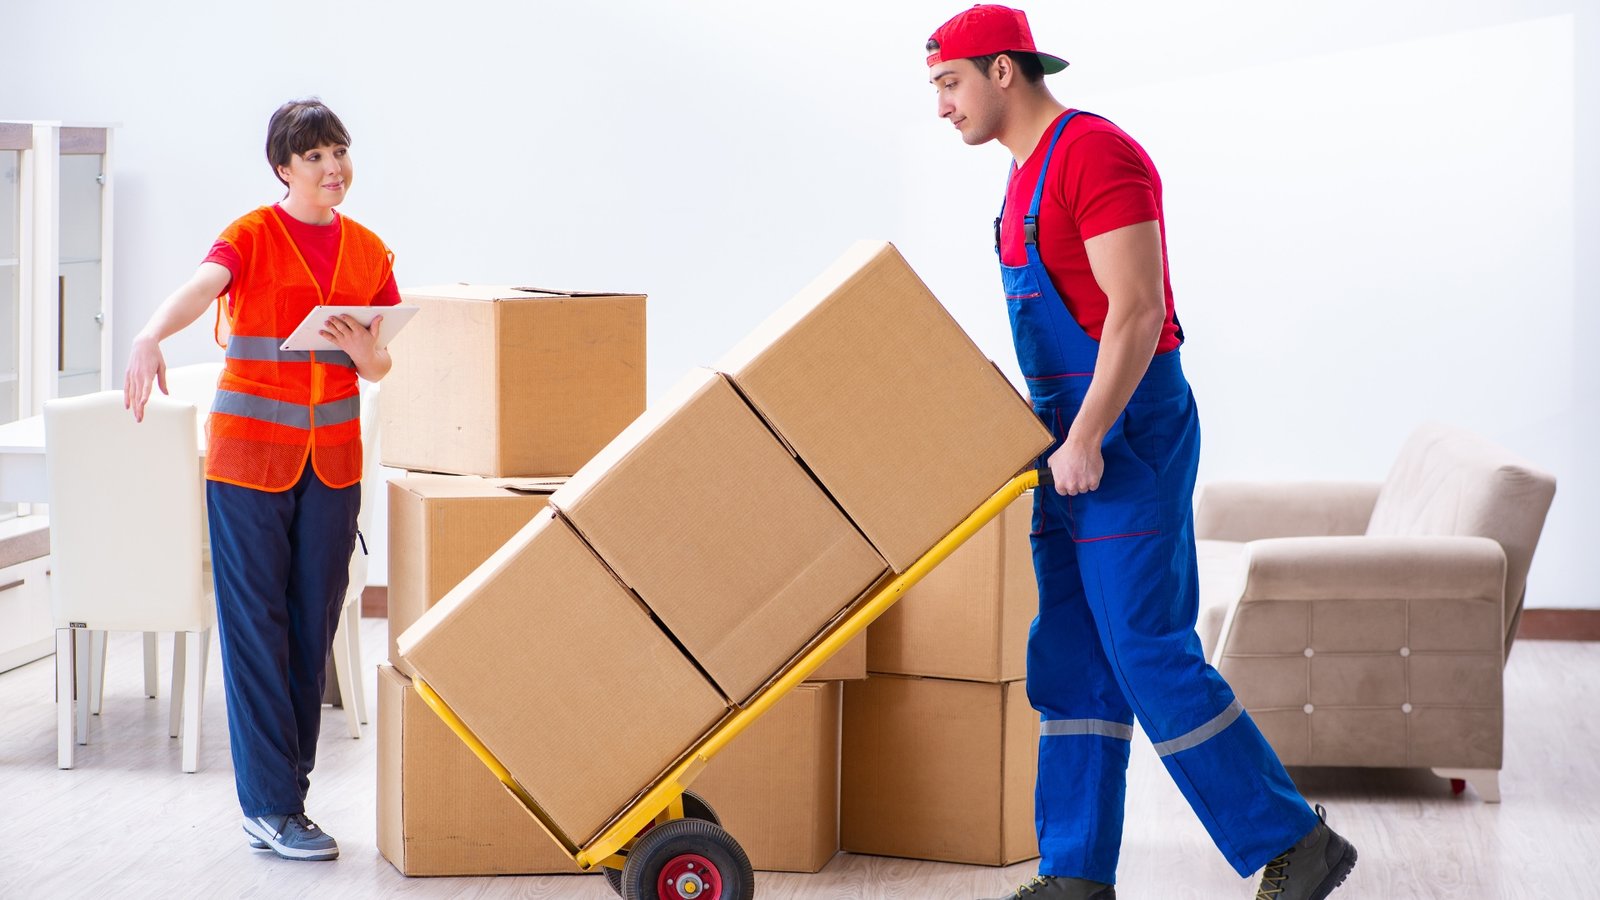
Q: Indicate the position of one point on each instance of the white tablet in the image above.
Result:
(308, 334)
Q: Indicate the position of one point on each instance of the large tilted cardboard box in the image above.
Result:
(497, 380)
(776, 787)
(969, 617)
(722, 534)
(440, 810)
(887, 401)
(441, 527)
(937, 769)
(563, 675)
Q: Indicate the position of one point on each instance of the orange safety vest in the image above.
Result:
(275, 408)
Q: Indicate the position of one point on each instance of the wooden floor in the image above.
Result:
(127, 823)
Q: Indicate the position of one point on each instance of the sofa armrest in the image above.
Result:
(1253, 510)
(1358, 567)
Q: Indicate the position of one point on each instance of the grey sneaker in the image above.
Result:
(291, 837)
(1312, 868)
(1050, 887)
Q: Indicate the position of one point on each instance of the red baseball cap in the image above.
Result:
(986, 29)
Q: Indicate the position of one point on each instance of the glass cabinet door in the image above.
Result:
(79, 309)
(10, 293)
(10, 282)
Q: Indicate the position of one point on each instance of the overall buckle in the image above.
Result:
(1030, 230)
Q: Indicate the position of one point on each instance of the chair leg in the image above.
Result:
(81, 654)
(64, 684)
(97, 670)
(198, 646)
(151, 675)
(360, 689)
(179, 661)
(341, 671)
(1485, 781)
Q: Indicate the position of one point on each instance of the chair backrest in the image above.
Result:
(125, 515)
(1451, 481)
(196, 384)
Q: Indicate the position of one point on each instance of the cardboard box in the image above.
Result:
(441, 527)
(494, 380)
(887, 401)
(969, 617)
(440, 810)
(776, 787)
(849, 664)
(722, 534)
(940, 770)
(563, 675)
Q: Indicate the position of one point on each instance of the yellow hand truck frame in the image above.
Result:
(663, 801)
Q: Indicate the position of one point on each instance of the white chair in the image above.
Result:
(195, 384)
(347, 638)
(127, 534)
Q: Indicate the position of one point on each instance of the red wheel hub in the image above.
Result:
(689, 877)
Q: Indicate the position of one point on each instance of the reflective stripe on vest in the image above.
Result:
(293, 415)
(268, 349)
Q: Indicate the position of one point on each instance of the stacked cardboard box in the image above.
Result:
(776, 788)
(733, 522)
(440, 810)
(511, 389)
(940, 743)
(508, 381)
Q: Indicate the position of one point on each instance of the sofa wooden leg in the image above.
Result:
(1485, 781)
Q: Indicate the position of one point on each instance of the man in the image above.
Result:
(1083, 262)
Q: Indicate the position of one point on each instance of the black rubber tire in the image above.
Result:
(661, 844)
(694, 807)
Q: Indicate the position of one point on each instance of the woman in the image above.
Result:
(283, 460)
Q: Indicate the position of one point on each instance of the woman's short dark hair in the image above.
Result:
(298, 126)
(1027, 63)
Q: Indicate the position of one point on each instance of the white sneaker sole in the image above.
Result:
(265, 840)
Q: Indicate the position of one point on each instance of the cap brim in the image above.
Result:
(1051, 64)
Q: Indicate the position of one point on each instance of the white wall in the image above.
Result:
(1375, 209)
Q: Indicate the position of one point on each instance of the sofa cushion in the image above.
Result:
(1222, 573)
(1448, 481)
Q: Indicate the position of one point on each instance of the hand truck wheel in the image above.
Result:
(687, 859)
(694, 807)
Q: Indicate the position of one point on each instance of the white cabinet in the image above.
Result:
(25, 623)
(55, 319)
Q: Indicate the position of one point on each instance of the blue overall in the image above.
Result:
(1118, 597)
(281, 562)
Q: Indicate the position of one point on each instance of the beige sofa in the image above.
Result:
(1367, 624)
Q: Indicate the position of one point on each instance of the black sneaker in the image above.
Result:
(1312, 868)
(1049, 887)
(291, 837)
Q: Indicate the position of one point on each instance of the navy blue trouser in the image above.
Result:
(281, 562)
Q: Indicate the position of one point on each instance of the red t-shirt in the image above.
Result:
(1099, 180)
(319, 244)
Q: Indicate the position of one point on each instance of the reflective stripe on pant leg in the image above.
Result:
(1058, 727)
(1202, 734)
